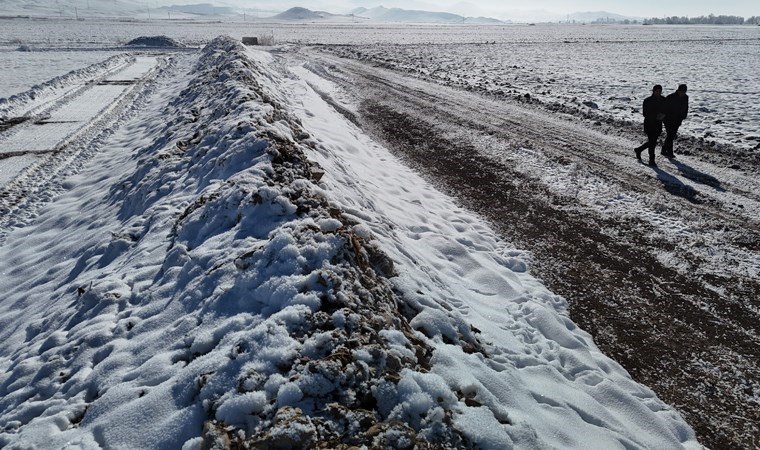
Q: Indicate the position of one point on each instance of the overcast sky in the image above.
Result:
(502, 9)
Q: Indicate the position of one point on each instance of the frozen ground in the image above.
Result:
(608, 78)
(103, 33)
(661, 263)
(306, 222)
(237, 262)
(565, 67)
(46, 129)
(21, 70)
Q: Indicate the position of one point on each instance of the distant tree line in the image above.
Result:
(703, 20)
(610, 20)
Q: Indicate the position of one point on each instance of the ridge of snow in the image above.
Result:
(213, 286)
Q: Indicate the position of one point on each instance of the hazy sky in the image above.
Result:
(499, 8)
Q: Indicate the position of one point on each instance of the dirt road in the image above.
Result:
(659, 264)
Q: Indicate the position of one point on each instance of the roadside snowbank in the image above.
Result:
(214, 287)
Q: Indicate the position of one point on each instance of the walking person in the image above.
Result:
(654, 113)
(677, 107)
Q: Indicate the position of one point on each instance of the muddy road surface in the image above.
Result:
(659, 264)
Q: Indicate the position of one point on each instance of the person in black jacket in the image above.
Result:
(654, 113)
(677, 107)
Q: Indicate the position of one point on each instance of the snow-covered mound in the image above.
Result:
(213, 290)
(154, 41)
(233, 295)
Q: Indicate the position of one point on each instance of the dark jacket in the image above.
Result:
(676, 108)
(654, 111)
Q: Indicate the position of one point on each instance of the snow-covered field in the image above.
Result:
(22, 70)
(238, 262)
(603, 70)
(197, 246)
(609, 77)
(100, 33)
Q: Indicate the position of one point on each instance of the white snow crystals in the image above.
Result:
(203, 289)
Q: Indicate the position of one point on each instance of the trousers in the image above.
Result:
(671, 128)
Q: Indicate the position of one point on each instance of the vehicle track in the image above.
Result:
(61, 136)
(691, 334)
(38, 105)
(559, 139)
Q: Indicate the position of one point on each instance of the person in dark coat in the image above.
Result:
(654, 113)
(677, 107)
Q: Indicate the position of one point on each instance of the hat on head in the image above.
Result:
(682, 87)
(657, 87)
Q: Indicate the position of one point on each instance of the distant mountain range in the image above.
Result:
(203, 9)
(164, 9)
(398, 15)
(112, 8)
(382, 14)
(540, 15)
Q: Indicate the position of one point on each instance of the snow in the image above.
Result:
(566, 67)
(62, 123)
(11, 167)
(24, 69)
(195, 271)
(602, 197)
(607, 75)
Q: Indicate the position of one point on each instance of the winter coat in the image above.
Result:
(676, 108)
(654, 112)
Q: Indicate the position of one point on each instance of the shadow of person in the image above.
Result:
(697, 176)
(674, 186)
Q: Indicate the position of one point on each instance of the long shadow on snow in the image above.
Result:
(697, 176)
(674, 186)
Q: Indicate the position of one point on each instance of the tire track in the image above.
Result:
(691, 336)
(40, 181)
(37, 105)
(556, 138)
